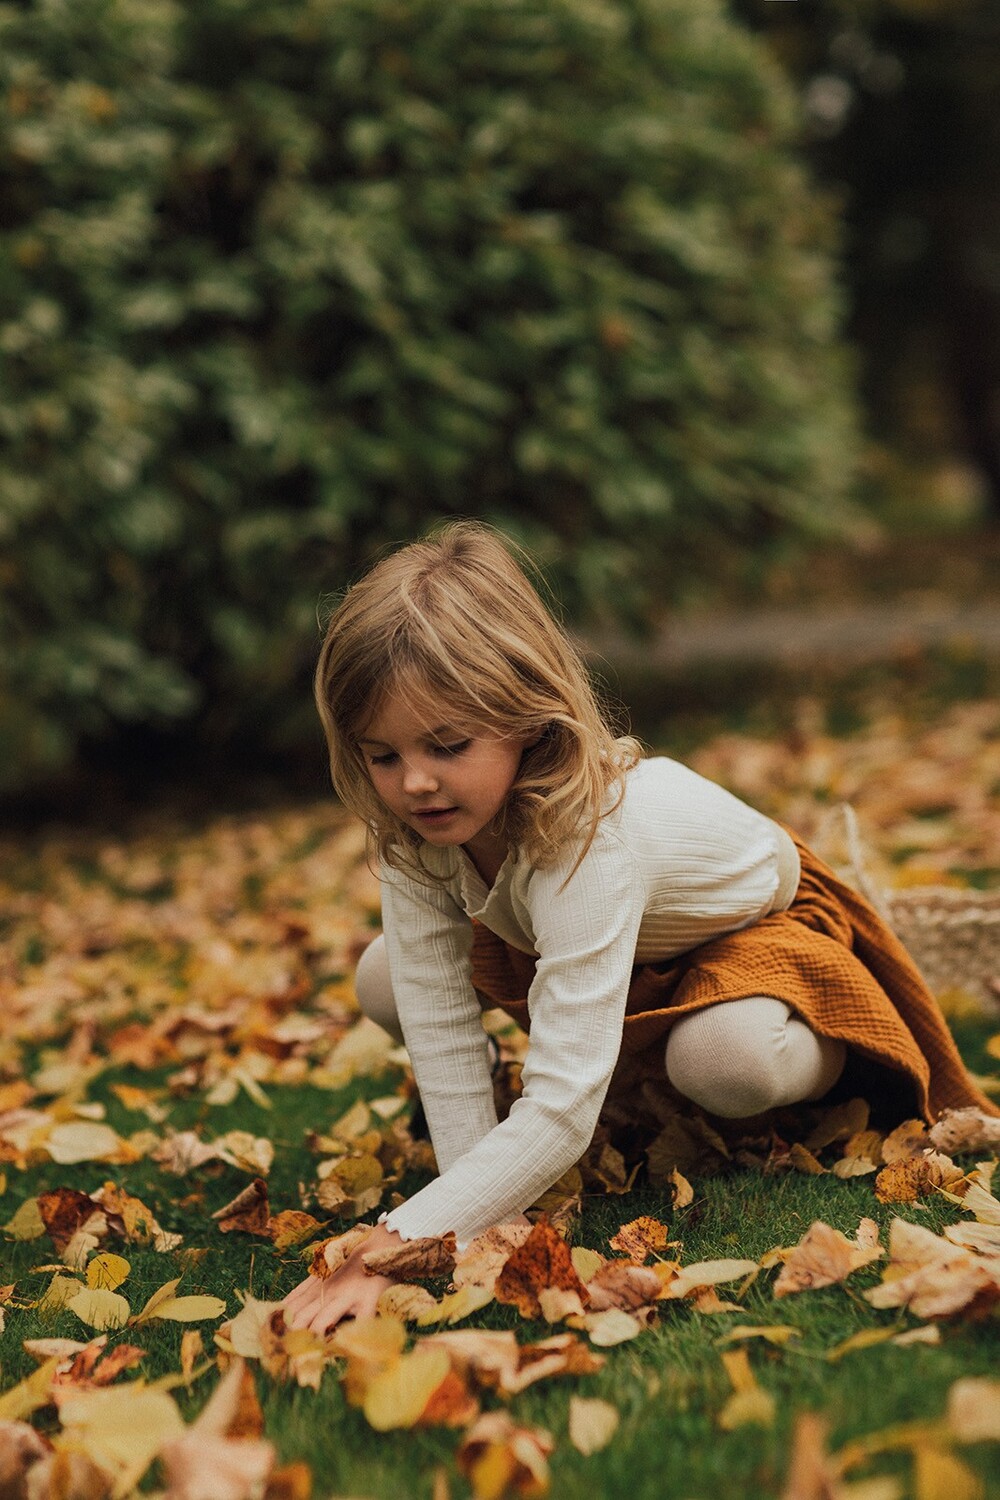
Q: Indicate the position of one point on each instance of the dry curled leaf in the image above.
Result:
(421, 1259)
(968, 1129)
(934, 1278)
(913, 1177)
(249, 1212)
(543, 1260)
(822, 1257)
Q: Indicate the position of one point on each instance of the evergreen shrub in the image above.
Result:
(282, 281)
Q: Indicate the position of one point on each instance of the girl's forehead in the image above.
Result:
(408, 709)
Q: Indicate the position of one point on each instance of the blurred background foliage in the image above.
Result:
(283, 281)
(900, 118)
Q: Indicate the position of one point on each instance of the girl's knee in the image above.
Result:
(373, 987)
(743, 1057)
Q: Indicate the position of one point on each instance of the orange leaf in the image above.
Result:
(249, 1212)
(542, 1261)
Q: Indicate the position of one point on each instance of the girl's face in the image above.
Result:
(444, 777)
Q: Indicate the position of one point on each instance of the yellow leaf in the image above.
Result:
(187, 1309)
(592, 1424)
(243, 1333)
(866, 1338)
(29, 1394)
(162, 1294)
(100, 1309)
(585, 1262)
(707, 1273)
(27, 1223)
(939, 1475)
(456, 1306)
(397, 1396)
(753, 1407)
(105, 1272)
(778, 1333)
(81, 1141)
(122, 1429)
(60, 1291)
(406, 1301)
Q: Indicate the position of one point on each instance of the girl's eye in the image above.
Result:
(453, 749)
(382, 760)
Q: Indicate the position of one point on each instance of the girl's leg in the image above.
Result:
(373, 987)
(741, 1057)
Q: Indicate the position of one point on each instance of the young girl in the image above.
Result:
(644, 922)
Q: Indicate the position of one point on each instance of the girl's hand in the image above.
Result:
(321, 1302)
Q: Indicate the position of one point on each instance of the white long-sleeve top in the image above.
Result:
(678, 862)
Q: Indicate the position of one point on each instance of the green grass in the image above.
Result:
(669, 1384)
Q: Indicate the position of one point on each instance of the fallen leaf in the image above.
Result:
(421, 1259)
(249, 1212)
(406, 1302)
(623, 1284)
(914, 1177)
(107, 1271)
(939, 1475)
(968, 1129)
(484, 1257)
(397, 1396)
(823, 1257)
(838, 1123)
(543, 1260)
(908, 1139)
(291, 1227)
(499, 1458)
(640, 1238)
(812, 1473)
(686, 1145)
(706, 1273)
(606, 1329)
(777, 1333)
(682, 1193)
(100, 1309)
(122, 1429)
(457, 1305)
(82, 1140)
(932, 1277)
(865, 1338)
(974, 1409)
(592, 1424)
(749, 1403)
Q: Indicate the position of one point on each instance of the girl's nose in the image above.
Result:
(418, 778)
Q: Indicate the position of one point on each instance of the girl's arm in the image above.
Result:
(429, 946)
(586, 935)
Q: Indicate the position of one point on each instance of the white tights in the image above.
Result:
(735, 1059)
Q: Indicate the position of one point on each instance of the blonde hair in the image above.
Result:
(452, 621)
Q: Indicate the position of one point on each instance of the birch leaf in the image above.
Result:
(592, 1424)
(100, 1309)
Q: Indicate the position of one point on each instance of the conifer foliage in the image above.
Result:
(282, 281)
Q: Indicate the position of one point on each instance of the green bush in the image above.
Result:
(284, 280)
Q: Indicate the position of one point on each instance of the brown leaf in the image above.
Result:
(420, 1259)
(622, 1284)
(483, 1258)
(63, 1210)
(838, 1123)
(542, 1261)
(688, 1146)
(822, 1257)
(329, 1255)
(249, 1212)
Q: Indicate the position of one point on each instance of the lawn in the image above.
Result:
(177, 1021)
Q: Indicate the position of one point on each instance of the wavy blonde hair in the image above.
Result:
(452, 622)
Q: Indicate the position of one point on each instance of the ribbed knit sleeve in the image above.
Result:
(428, 941)
(585, 932)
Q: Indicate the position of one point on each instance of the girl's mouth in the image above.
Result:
(434, 814)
